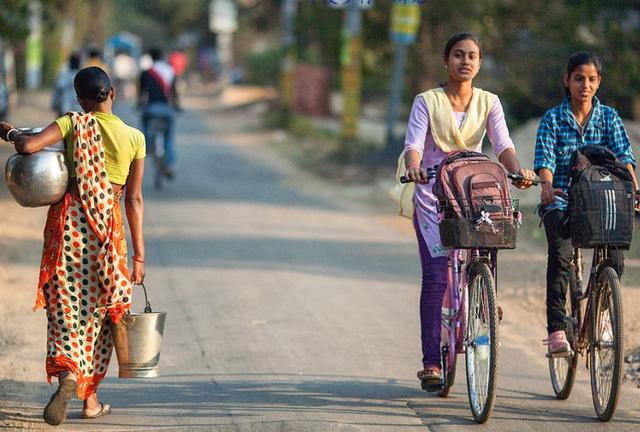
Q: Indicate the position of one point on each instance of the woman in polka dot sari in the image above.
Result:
(84, 282)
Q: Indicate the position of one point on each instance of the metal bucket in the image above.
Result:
(137, 338)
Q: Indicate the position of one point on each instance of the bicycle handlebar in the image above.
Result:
(518, 177)
(431, 173)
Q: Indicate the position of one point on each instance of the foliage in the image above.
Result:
(160, 22)
(318, 31)
(264, 67)
(526, 46)
(13, 20)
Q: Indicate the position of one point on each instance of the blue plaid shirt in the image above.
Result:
(559, 137)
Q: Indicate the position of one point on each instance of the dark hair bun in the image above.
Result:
(102, 95)
(92, 83)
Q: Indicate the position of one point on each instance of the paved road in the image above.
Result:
(290, 311)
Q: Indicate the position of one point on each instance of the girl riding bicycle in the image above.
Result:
(578, 121)
(455, 116)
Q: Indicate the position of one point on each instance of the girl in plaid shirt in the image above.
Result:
(578, 121)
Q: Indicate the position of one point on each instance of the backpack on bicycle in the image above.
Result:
(601, 198)
(474, 202)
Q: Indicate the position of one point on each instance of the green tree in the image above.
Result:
(14, 20)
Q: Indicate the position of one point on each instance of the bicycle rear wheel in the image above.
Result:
(606, 354)
(563, 369)
(482, 343)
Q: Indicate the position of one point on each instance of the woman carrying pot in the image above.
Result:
(84, 282)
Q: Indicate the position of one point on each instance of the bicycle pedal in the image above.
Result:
(433, 386)
(561, 354)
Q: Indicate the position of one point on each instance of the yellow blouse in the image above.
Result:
(122, 144)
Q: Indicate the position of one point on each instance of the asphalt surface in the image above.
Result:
(288, 310)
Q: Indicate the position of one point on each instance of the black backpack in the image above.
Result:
(601, 196)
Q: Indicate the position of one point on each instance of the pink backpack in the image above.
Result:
(475, 202)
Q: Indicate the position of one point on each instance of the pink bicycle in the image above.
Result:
(470, 318)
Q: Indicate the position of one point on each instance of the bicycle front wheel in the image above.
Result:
(606, 355)
(482, 343)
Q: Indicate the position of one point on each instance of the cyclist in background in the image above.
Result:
(94, 58)
(578, 121)
(157, 97)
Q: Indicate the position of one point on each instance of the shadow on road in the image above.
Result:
(205, 400)
(199, 400)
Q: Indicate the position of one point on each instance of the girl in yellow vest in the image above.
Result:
(455, 116)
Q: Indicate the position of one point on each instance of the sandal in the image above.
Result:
(56, 410)
(104, 410)
(429, 375)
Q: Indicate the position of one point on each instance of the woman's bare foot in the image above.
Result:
(91, 404)
(91, 408)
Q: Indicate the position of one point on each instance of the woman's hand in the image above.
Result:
(548, 194)
(19, 143)
(4, 130)
(417, 175)
(137, 275)
(527, 174)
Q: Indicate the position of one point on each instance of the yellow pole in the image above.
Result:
(351, 73)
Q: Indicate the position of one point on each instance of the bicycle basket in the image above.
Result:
(601, 214)
(489, 223)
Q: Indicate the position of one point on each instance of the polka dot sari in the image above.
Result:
(84, 283)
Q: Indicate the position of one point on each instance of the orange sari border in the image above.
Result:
(53, 236)
(86, 385)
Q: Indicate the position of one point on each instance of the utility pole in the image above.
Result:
(34, 50)
(286, 71)
(351, 71)
(223, 21)
(405, 19)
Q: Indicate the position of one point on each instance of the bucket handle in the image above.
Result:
(147, 307)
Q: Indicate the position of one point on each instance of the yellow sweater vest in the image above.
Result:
(446, 134)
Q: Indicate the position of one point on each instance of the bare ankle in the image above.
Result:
(66, 376)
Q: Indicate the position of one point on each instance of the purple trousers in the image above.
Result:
(434, 284)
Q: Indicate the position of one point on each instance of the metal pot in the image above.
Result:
(37, 179)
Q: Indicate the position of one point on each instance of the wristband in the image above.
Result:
(9, 133)
(140, 260)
